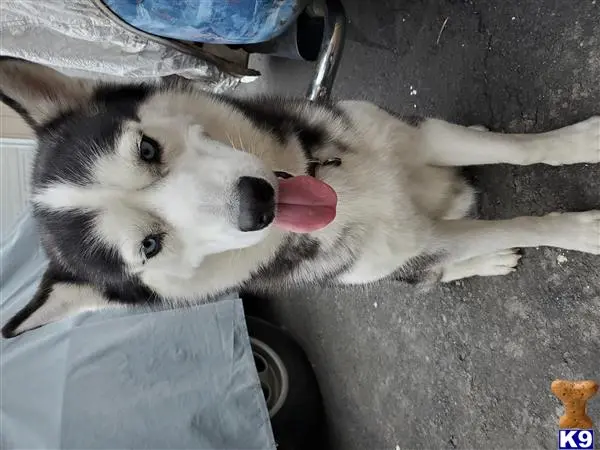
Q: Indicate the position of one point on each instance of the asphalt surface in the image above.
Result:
(469, 364)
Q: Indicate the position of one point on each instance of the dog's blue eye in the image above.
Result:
(149, 150)
(151, 246)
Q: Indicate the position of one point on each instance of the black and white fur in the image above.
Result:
(402, 205)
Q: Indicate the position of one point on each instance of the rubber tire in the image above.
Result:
(299, 424)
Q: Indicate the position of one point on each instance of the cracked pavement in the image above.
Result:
(468, 364)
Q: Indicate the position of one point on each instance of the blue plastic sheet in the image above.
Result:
(210, 21)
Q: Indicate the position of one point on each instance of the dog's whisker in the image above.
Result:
(231, 141)
(240, 138)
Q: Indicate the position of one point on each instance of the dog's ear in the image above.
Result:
(39, 93)
(58, 296)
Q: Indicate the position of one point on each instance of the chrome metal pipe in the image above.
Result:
(331, 54)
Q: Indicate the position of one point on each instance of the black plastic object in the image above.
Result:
(300, 422)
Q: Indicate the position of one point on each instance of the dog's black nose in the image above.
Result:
(257, 203)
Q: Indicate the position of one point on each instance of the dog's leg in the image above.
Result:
(501, 262)
(464, 239)
(446, 144)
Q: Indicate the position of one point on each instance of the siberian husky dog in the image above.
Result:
(161, 193)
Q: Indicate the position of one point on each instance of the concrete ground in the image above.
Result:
(469, 364)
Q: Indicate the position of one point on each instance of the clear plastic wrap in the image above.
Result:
(75, 37)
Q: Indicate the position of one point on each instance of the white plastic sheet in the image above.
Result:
(75, 37)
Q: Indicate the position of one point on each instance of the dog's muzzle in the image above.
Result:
(257, 203)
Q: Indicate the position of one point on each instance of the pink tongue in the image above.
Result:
(305, 204)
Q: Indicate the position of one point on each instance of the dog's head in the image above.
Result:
(132, 185)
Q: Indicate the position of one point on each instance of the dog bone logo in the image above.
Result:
(574, 395)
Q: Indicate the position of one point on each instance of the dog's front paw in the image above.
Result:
(502, 262)
(578, 231)
(579, 143)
